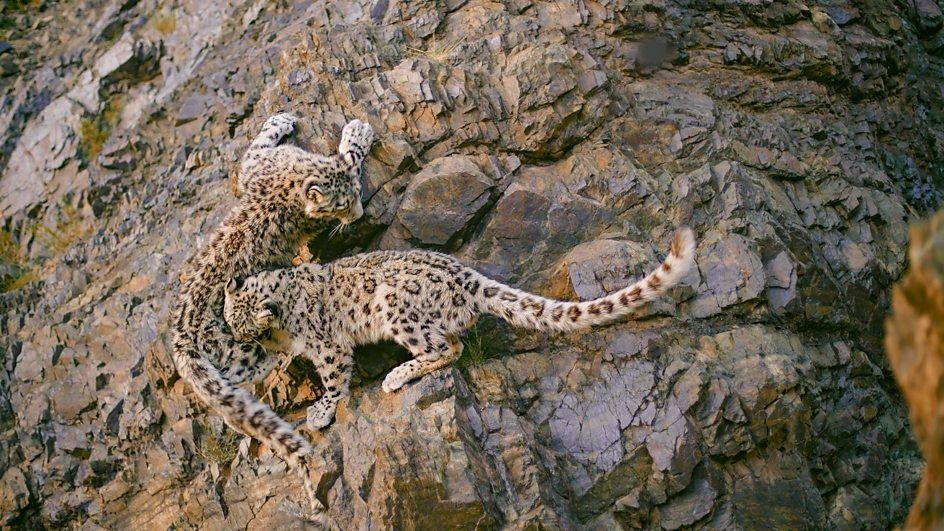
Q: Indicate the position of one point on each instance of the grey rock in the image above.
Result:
(129, 60)
(731, 274)
(781, 281)
(690, 506)
(441, 199)
(927, 16)
(194, 106)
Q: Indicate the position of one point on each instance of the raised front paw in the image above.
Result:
(281, 120)
(356, 137)
(319, 415)
(278, 126)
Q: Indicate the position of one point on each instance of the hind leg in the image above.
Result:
(430, 351)
(334, 366)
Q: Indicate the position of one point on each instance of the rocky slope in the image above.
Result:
(553, 145)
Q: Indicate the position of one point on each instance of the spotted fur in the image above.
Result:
(421, 300)
(286, 194)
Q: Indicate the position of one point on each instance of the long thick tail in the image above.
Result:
(242, 410)
(532, 311)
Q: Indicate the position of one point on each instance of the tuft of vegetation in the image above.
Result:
(68, 230)
(163, 22)
(54, 241)
(94, 135)
(479, 347)
(221, 449)
(14, 283)
(9, 251)
(438, 51)
(95, 130)
(10, 8)
(182, 524)
(14, 273)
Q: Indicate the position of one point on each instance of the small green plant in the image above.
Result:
(17, 282)
(10, 24)
(22, 5)
(95, 130)
(221, 449)
(182, 524)
(94, 135)
(479, 348)
(17, 273)
(9, 251)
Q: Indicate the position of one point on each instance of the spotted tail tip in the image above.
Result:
(683, 244)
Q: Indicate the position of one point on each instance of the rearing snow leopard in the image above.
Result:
(421, 300)
(287, 193)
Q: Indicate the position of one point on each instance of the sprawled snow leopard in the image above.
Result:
(421, 300)
(286, 194)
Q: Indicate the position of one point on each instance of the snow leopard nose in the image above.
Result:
(356, 211)
(271, 307)
(352, 214)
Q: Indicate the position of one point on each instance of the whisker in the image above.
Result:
(337, 230)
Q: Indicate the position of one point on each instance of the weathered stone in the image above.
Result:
(781, 281)
(927, 16)
(129, 60)
(731, 274)
(690, 506)
(601, 267)
(443, 198)
(195, 106)
(47, 144)
(15, 495)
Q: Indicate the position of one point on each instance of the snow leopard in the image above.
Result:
(286, 194)
(421, 300)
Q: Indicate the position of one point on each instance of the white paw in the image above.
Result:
(318, 418)
(279, 126)
(392, 382)
(280, 120)
(356, 135)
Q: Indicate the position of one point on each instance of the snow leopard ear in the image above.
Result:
(234, 285)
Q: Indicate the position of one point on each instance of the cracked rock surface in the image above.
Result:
(551, 145)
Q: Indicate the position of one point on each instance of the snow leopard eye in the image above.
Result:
(314, 192)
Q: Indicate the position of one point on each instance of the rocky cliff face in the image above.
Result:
(553, 145)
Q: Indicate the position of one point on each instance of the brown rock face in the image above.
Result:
(915, 343)
(554, 145)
